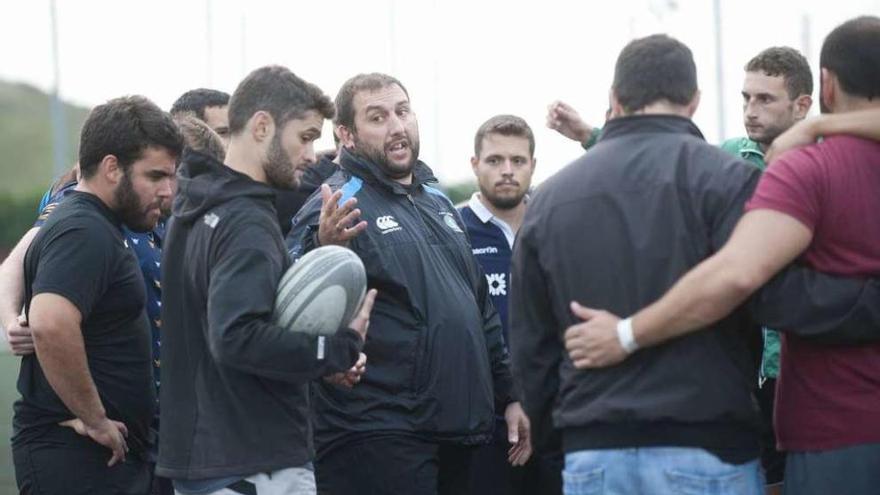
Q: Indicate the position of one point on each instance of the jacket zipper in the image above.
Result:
(425, 229)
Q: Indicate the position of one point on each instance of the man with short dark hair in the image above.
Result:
(816, 204)
(88, 388)
(208, 105)
(238, 384)
(777, 93)
(503, 162)
(646, 200)
(650, 200)
(438, 364)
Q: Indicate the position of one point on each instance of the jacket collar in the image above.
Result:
(649, 124)
(370, 172)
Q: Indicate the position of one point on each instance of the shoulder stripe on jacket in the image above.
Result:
(350, 188)
(438, 192)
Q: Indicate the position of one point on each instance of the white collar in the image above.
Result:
(479, 208)
(486, 216)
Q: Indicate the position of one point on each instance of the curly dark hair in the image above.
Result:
(788, 63)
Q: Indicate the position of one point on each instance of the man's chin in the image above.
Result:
(504, 202)
(286, 183)
(399, 170)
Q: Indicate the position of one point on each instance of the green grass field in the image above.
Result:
(8, 395)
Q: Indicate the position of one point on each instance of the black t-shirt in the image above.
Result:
(81, 254)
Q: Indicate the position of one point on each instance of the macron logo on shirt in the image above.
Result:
(485, 250)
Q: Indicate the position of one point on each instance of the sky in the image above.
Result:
(462, 61)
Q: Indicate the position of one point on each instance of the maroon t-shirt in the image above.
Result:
(829, 397)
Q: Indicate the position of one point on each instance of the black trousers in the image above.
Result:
(491, 474)
(392, 464)
(59, 461)
(772, 460)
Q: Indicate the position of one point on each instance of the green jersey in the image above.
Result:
(751, 152)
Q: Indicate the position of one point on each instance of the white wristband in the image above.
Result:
(625, 335)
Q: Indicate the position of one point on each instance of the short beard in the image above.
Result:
(770, 134)
(380, 158)
(502, 203)
(128, 206)
(278, 168)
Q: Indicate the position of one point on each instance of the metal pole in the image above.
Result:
(243, 44)
(56, 109)
(209, 48)
(806, 36)
(719, 72)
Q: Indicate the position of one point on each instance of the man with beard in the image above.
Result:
(776, 95)
(147, 247)
(816, 205)
(88, 387)
(436, 349)
(503, 162)
(235, 388)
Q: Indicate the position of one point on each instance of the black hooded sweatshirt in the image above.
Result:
(236, 385)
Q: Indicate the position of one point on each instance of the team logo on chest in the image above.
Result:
(449, 220)
(387, 224)
(497, 284)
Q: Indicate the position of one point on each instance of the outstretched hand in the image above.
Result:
(338, 224)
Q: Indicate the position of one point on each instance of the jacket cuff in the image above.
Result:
(505, 393)
(345, 347)
(352, 336)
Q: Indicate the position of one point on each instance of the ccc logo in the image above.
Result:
(387, 222)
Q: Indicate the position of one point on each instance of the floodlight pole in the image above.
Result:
(719, 72)
(56, 109)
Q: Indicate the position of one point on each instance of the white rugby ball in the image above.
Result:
(321, 292)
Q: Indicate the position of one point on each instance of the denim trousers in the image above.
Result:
(658, 470)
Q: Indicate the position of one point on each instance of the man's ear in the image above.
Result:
(802, 105)
(475, 162)
(616, 108)
(261, 126)
(828, 89)
(694, 104)
(346, 137)
(110, 169)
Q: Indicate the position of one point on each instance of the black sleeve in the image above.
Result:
(725, 197)
(535, 339)
(241, 335)
(819, 307)
(76, 262)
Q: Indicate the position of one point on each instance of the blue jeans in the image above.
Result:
(658, 470)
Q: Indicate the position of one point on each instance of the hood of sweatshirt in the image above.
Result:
(203, 183)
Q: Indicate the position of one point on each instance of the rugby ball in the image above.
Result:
(321, 292)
